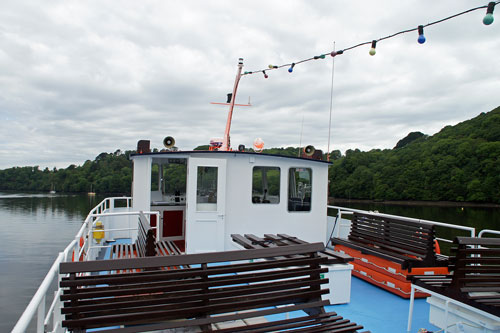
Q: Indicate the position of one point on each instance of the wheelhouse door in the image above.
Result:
(206, 199)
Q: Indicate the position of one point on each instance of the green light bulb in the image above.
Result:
(372, 50)
(488, 19)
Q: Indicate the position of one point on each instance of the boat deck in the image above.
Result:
(374, 308)
(381, 311)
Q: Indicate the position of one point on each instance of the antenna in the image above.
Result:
(331, 104)
(301, 130)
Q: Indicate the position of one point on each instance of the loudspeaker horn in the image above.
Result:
(309, 150)
(169, 142)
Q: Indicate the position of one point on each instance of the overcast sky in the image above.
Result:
(78, 78)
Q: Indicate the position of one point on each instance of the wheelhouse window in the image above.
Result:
(266, 185)
(154, 177)
(174, 178)
(206, 189)
(299, 189)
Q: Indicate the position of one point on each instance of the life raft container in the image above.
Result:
(385, 273)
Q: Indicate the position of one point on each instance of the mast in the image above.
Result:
(226, 145)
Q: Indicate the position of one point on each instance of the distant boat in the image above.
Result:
(52, 189)
(91, 192)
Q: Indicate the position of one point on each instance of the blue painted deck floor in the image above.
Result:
(380, 311)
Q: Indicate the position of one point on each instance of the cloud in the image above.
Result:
(80, 78)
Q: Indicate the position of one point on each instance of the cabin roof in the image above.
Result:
(195, 152)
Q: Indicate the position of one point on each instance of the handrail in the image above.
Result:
(90, 230)
(36, 305)
(472, 230)
(37, 300)
(488, 231)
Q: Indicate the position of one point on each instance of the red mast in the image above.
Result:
(226, 141)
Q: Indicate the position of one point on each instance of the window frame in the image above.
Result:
(268, 167)
(288, 197)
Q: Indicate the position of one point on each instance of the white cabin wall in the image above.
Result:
(243, 216)
(141, 188)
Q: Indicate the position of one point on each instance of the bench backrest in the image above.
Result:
(476, 265)
(146, 238)
(412, 239)
(216, 283)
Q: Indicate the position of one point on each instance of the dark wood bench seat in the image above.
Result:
(410, 244)
(249, 241)
(220, 291)
(475, 278)
(167, 248)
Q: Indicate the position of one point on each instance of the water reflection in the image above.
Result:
(35, 228)
(72, 205)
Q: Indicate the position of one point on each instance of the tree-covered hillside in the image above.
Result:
(460, 163)
(108, 173)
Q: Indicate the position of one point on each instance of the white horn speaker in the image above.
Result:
(309, 150)
(169, 142)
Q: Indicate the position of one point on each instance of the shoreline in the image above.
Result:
(334, 201)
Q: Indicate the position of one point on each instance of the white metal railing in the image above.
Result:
(488, 231)
(471, 230)
(93, 218)
(36, 307)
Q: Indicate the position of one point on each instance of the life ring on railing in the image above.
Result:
(81, 243)
(436, 247)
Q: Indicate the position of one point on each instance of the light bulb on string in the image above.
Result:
(319, 57)
(272, 67)
(265, 75)
(335, 53)
(488, 18)
(291, 68)
(372, 50)
(421, 37)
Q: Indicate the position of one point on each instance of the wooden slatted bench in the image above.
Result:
(168, 248)
(225, 291)
(249, 241)
(144, 246)
(410, 244)
(475, 278)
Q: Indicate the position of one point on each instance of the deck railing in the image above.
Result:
(78, 248)
(470, 230)
(488, 231)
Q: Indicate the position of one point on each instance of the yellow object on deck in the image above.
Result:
(98, 232)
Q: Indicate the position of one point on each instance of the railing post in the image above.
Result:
(40, 317)
(410, 312)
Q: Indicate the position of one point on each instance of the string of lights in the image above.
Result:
(487, 20)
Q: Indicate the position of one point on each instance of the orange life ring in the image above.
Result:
(436, 247)
(82, 242)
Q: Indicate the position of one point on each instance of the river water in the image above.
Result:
(36, 227)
